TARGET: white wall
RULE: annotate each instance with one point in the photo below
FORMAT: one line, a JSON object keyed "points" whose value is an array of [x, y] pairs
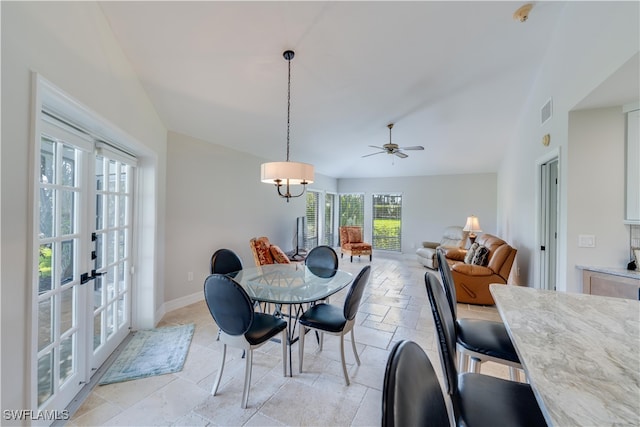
{"points": [[596, 201], [71, 45], [431, 203], [586, 49], [215, 199]]}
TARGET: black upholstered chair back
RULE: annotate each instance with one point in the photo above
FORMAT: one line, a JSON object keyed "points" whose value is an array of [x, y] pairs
{"points": [[229, 304], [411, 394], [225, 261], [447, 282], [446, 328], [322, 257], [352, 302]]}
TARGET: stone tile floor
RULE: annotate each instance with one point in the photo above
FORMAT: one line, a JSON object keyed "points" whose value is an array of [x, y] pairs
{"points": [[394, 307]]}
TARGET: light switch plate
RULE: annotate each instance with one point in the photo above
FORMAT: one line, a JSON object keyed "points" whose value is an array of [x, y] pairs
{"points": [[586, 241]]}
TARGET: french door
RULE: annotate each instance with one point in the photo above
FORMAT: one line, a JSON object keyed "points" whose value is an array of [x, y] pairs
{"points": [[82, 282]]}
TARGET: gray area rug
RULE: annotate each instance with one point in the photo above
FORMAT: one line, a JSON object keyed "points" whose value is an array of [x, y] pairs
{"points": [[151, 352]]}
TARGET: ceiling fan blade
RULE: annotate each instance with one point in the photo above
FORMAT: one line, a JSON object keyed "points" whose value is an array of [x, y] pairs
{"points": [[373, 154], [415, 147], [401, 154], [375, 146]]}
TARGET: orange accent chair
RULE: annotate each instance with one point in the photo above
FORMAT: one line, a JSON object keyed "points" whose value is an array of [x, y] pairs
{"points": [[351, 242], [265, 253]]}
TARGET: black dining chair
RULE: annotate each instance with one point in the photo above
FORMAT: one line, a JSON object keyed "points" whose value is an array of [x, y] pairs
{"points": [[322, 261], [478, 340], [240, 326], [411, 392], [225, 261], [477, 399], [334, 320]]}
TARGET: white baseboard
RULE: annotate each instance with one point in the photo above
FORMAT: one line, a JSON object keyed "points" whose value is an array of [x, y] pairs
{"points": [[179, 303]]}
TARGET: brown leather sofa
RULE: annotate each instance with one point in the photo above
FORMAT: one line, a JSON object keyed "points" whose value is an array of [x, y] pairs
{"points": [[472, 281]]}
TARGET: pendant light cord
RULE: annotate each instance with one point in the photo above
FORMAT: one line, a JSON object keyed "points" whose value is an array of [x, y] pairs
{"points": [[288, 104]]}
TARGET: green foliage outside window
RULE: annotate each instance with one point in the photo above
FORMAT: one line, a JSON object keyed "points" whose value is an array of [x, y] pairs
{"points": [[387, 221], [44, 264], [352, 209]]}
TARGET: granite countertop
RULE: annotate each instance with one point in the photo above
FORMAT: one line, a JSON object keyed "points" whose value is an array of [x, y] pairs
{"points": [[581, 353], [616, 271]]}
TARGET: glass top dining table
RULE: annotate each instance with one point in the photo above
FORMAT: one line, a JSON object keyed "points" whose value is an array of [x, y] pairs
{"points": [[290, 287], [293, 283]]}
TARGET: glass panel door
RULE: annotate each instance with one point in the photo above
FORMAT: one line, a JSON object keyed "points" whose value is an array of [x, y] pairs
{"points": [[58, 307], [82, 260], [311, 235], [111, 256], [329, 219]]}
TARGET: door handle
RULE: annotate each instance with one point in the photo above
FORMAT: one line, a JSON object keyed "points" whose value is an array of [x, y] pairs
{"points": [[84, 277]]}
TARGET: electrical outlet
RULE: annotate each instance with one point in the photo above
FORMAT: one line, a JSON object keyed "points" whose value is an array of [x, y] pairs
{"points": [[190, 276]]}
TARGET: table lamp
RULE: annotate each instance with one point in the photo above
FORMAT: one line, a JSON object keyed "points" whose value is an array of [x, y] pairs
{"points": [[472, 226]]}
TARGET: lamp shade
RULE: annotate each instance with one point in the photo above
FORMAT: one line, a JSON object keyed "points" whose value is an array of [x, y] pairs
{"points": [[472, 225], [293, 173]]}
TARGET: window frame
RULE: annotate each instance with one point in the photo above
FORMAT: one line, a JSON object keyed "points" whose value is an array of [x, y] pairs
{"points": [[376, 236]]}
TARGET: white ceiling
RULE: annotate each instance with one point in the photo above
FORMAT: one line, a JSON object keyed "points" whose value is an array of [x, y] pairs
{"points": [[452, 76]]}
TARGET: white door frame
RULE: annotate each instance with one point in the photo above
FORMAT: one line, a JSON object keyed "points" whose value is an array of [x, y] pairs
{"points": [[146, 239]]}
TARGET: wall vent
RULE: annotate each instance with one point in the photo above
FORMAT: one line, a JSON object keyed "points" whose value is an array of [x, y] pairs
{"points": [[546, 112]]}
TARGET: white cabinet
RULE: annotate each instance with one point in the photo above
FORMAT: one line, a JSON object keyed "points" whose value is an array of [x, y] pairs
{"points": [[632, 167]]}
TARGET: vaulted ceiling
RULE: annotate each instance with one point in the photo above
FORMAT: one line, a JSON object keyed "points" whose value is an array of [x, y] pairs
{"points": [[452, 76]]}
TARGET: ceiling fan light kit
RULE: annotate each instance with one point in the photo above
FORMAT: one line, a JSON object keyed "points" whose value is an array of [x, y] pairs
{"points": [[391, 148], [285, 174]]}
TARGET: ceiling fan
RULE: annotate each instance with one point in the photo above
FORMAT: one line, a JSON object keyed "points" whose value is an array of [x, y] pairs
{"points": [[392, 148]]}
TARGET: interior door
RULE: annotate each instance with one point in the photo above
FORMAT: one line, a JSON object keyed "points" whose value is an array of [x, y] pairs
{"points": [[549, 224]]}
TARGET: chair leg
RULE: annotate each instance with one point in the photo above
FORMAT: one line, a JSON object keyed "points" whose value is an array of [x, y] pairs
{"points": [[284, 353], [214, 390], [351, 258], [513, 374], [463, 360], [474, 366], [247, 378], [303, 331], [344, 365], [321, 340], [353, 345], [370, 257]]}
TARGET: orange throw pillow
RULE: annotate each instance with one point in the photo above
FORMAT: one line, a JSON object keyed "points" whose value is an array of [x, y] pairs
{"points": [[278, 255], [262, 251]]}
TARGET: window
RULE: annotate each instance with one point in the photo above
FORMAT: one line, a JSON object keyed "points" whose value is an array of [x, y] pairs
{"points": [[387, 221], [352, 209], [329, 219], [312, 219]]}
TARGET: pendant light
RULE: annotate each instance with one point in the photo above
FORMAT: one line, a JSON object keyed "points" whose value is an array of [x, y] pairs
{"points": [[286, 174]]}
